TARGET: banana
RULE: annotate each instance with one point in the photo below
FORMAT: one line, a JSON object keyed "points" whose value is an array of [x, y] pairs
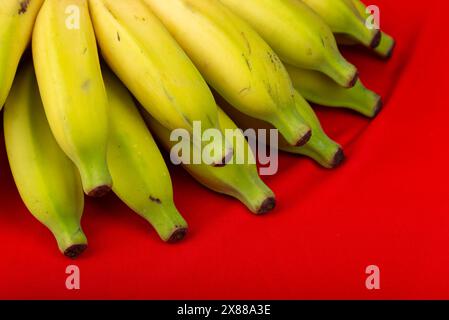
{"points": [[235, 61], [298, 35], [47, 180], [320, 147], [72, 89], [318, 88], [141, 178], [238, 180], [343, 18], [387, 43], [16, 25], [144, 55]]}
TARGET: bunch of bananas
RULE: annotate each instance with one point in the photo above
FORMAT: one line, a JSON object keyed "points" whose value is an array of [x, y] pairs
{"points": [[76, 124]]}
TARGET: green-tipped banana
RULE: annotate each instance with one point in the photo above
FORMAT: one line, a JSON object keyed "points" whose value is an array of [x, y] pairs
{"points": [[320, 147], [318, 88], [47, 180], [298, 35], [344, 19], [235, 61], [141, 178], [238, 180], [16, 25], [387, 43], [72, 89], [144, 55]]}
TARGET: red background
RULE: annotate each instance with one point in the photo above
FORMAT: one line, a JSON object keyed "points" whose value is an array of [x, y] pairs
{"points": [[387, 205]]}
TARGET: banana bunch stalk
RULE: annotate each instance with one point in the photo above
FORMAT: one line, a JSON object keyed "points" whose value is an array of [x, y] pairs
{"points": [[141, 178]]}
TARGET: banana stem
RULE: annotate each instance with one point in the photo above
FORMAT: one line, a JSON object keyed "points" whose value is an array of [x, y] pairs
{"points": [[364, 101], [256, 195], [96, 180], [343, 72], [323, 150], [292, 127], [166, 220], [72, 244], [386, 46]]}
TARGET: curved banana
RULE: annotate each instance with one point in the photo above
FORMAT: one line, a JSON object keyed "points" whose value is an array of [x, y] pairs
{"points": [[16, 25], [238, 180], [235, 61], [72, 89], [344, 18], [298, 35], [47, 180], [318, 88], [144, 55], [141, 178], [387, 43], [320, 147]]}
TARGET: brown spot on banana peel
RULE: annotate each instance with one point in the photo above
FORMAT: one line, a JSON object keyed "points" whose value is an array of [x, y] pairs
{"points": [[118, 37], [23, 6], [304, 139], [86, 85], [75, 250], [248, 45], [155, 200]]}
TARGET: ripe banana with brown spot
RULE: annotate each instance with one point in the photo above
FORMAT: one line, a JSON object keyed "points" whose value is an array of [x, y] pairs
{"points": [[48, 182], [141, 178]]}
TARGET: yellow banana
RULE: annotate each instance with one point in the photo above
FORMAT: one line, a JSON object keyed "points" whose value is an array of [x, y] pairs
{"points": [[47, 180], [72, 89], [16, 25], [318, 88], [239, 180], [144, 55], [320, 147], [141, 178], [298, 35], [344, 18], [235, 61], [387, 43]]}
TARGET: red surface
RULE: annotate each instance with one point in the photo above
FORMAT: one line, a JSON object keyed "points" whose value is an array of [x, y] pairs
{"points": [[388, 205]]}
